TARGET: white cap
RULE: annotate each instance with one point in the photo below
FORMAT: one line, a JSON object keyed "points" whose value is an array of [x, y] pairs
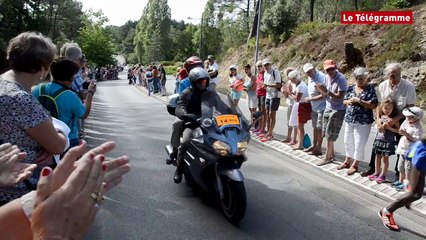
{"points": [[266, 61], [233, 67], [259, 63], [307, 67], [413, 111]]}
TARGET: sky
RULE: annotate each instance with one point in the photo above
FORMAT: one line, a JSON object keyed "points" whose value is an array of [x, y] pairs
{"points": [[120, 11]]}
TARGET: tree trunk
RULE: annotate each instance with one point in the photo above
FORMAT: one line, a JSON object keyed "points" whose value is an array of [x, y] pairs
{"points": [[311, 12], [356, 5], [254, 26]]}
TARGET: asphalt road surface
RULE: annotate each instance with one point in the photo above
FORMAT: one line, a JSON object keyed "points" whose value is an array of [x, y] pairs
{"points": [[286, 199]]}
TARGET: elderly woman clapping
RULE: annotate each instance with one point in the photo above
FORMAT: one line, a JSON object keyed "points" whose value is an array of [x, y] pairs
{"points": [[360, 100], [299, 95]]}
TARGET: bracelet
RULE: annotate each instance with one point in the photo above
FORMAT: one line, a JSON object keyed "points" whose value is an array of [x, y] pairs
{"points": [[27, 203], [91, 92]]}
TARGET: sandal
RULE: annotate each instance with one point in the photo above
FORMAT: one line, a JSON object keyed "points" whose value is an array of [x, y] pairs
{"points": [[266, 138], [297, 148], [352, 170], [286, 140], [324, 161], [343, 165], [315, 153]]}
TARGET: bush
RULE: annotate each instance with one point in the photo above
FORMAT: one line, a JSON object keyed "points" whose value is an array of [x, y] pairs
{"points": [[396, 4], [168, 63], [170, 70]]}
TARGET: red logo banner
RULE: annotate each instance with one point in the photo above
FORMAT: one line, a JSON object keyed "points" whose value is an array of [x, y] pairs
{"points": [[378, 17]]}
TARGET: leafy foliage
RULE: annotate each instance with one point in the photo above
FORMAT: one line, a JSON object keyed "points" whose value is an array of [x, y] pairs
{"points": [[96, 42], [152, 40]]}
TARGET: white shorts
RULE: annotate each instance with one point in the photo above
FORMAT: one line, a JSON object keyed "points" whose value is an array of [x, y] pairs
{"points": [[252, 102]]}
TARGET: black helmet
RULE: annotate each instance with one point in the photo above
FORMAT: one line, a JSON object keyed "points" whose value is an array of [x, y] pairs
{"points": [[196, 75]]}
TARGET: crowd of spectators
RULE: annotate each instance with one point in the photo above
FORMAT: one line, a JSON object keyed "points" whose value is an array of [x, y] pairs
{"points": [[51, 187]]}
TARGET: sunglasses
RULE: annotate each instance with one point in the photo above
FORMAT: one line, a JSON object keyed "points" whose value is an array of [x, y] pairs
{"points": [[330, 70]]}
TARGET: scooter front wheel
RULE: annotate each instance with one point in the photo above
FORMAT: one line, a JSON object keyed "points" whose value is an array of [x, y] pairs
{"points": [[234, 200]]}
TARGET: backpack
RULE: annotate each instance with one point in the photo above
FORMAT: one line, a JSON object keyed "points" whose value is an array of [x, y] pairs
{"points": [[279, 85], [149, 74], [49, 101]]}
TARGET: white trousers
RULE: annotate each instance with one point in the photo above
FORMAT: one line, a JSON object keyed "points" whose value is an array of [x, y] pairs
{"points": [[356, 136]]}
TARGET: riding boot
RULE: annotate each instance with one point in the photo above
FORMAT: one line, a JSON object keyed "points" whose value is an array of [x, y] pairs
{"points": [[172, 157], [180, 165]]}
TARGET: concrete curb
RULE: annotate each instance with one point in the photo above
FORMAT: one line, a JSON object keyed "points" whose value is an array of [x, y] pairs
{"points": [[384, 191]]}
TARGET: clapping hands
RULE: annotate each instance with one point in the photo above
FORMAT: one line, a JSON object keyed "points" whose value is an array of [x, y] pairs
{"points": [[68, 198], [13, 170]]}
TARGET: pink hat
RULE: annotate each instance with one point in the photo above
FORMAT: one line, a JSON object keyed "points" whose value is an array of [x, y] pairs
{"points": [[328, 64]]}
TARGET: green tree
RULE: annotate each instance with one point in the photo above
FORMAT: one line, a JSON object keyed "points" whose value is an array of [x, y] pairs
{"points": [[279, 20], [154, 29], [95, 41]]}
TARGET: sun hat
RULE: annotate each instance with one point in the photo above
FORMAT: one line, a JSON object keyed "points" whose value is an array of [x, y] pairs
{"points": [[413, 111], [233, 67], [329, 64], [266, 61], [307, 67]]}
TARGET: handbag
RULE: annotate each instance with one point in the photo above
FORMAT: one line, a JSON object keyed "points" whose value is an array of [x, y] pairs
{"points": [[306, 141]]}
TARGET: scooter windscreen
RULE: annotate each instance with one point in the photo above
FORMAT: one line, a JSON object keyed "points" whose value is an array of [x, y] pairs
{"points": [[221, 110]]}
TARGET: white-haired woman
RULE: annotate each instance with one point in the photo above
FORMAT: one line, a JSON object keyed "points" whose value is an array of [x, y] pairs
{"points": [[360, 100], [299, 96]]}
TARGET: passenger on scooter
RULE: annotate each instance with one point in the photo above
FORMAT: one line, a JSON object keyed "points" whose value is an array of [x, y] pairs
{"points": [[189, 109], [179, 125]]}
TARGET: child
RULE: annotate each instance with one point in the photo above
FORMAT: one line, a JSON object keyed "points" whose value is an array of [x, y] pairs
{"points": [[411, 130], [417, 156], [236, 84], [384, 144]]}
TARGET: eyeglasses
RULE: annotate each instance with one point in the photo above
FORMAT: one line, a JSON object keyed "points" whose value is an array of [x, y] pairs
{"points": [[330, 70]]}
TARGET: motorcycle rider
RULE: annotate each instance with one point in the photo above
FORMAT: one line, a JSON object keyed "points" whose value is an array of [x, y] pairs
{"points": [[188, 110], [179, 125]]}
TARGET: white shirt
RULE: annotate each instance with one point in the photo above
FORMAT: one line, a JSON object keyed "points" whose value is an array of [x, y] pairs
{"points": [[302, 88], [272, 77], [214, 67], [415, 130], [403, 94]]}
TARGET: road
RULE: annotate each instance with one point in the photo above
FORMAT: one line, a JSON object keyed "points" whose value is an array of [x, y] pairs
{"points": [[286, 198]]}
